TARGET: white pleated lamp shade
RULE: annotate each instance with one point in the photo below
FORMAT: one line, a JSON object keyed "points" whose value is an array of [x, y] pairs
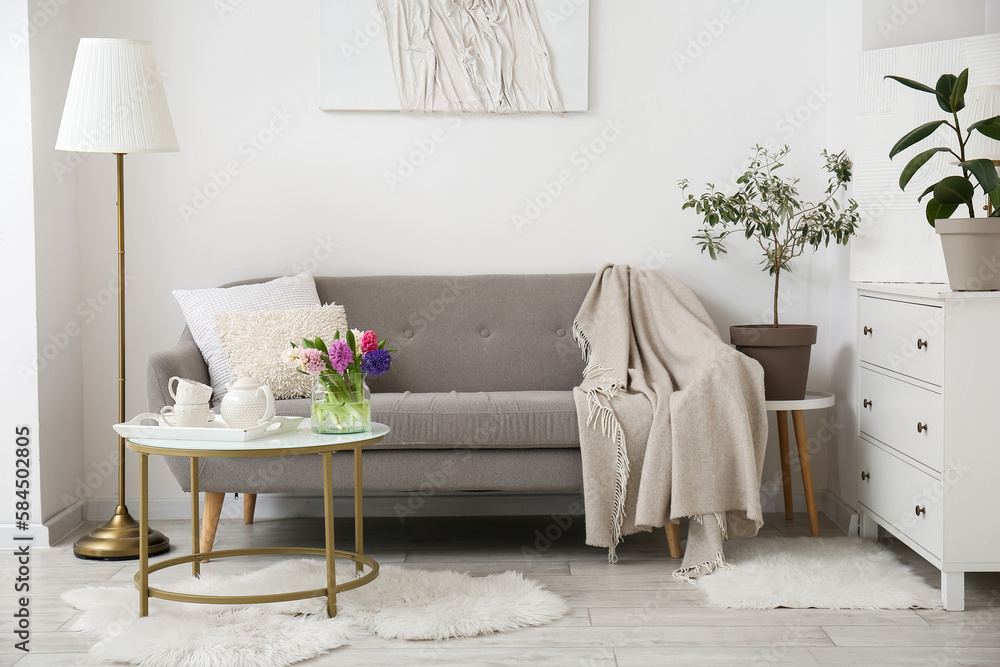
{"points": [[115, 102], [982, 102]]}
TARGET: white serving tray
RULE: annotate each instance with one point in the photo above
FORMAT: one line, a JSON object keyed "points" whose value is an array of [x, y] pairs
{"points": [[216, 430]]}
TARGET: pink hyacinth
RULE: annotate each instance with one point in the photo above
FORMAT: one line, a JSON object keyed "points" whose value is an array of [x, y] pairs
{"points": [[312, 361], [369, 342], [340, 355]]}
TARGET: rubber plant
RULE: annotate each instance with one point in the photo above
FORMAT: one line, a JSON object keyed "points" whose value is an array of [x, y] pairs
{"points": [[954, 191], [767, 209]]}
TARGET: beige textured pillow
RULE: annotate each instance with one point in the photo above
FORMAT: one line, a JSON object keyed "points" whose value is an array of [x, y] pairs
{"points": [[255, 342]]}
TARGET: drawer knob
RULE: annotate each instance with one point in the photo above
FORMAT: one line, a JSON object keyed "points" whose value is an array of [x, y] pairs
{"points": [[865, 476], [868, 331], [867, 403], [920, 510], [921, 344], [921, 427]]}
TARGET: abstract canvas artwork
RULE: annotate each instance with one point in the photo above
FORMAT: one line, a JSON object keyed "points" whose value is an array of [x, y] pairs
{"points": [[472, 56]]}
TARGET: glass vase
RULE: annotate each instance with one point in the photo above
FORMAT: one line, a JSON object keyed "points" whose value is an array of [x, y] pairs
{"points": [[341, 403]]}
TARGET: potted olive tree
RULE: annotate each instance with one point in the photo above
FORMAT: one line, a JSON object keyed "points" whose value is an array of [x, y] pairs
{"points": [[766, 209], [970, 244]]}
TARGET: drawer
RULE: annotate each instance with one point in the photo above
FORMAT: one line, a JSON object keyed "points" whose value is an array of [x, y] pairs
{"points": [[892, 489], [904, 337], [908, 418]]}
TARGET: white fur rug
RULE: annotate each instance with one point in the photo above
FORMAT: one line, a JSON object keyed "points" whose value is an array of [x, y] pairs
{"points": [[400, 604], [826, 573]]}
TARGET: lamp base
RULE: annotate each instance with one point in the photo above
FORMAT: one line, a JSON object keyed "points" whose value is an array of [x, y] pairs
{"points": [[118, 539]]}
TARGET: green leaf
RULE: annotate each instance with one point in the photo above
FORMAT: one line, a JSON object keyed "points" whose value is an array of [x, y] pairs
{"points": [[350, 341], [995, 202], [914, 165], [954, 190], [321, 346], [985, 173], [930, 189], [913, 136], [957, 98], [989, 126], [910, 83], [938, 211], [945, 86]]}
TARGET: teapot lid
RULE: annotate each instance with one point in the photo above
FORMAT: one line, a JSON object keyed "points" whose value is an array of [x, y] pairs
{"points": [[245, 382]]}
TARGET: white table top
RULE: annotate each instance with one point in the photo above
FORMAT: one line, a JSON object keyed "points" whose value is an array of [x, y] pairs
{"points": [[301, 441], [814, 400]]}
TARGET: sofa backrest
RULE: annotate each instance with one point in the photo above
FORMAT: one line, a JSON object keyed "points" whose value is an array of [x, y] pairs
{"points": [[468, 333]]}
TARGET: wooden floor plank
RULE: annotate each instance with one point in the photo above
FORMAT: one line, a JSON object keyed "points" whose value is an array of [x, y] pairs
{"points": [[633, 613]]}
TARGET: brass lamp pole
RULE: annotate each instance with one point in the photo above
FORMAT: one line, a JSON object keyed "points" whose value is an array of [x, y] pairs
{"points": [[115, 104]]}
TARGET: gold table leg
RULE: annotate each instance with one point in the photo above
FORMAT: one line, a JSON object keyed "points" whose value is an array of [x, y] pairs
{"points": [[331, 556], [195, 530], [359, 526], [786, 463], [144, 536], [807, 480]]}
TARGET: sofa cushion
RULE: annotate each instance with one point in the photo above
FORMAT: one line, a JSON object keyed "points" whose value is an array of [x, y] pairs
{"points": [[486, 419], [201, 305], [255, 343], [468, 333]]}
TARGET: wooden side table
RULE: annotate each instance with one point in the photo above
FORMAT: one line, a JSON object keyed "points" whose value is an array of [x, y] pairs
{"points": [[814, 400]]}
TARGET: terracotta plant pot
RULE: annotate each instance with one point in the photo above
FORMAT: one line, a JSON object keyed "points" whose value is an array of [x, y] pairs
{"points": [[782, 351], [971, 252]]}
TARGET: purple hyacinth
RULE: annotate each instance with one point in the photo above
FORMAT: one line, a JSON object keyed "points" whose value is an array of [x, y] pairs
{"points": [[376, 362], [340, 355]]}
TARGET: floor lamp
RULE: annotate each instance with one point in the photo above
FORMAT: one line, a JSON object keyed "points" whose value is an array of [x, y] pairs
{"points": [[115, 104]]}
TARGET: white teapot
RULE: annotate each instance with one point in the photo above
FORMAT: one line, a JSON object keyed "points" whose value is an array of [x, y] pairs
{"points": [[249, 403]]}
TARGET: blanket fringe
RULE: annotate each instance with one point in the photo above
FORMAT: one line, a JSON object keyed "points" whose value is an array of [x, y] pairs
{"points": [[720, 517], [581, 339], [610, 428], [689, 573]]}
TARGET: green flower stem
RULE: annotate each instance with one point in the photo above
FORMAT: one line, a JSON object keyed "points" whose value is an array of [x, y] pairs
{"points": [[343, 400]]}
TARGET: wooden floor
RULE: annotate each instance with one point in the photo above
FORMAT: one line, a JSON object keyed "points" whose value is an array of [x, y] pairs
{"points": [[632, 613]]}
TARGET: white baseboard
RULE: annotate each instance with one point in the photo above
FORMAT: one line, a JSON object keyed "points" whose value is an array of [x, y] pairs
{"points": [[67, 521], [12, 538], [842, 513], [277, 506]]}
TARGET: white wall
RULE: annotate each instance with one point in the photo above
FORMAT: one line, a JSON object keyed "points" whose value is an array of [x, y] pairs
{"points": [[844, 49], [888, 23], [18, 392], [57, 263], [322, 177]]}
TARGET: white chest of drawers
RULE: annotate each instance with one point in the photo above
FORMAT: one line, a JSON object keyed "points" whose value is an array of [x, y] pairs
{"points": [[929, 417]]}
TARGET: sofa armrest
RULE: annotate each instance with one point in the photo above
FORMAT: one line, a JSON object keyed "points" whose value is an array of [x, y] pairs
{"points": [[183, 360]]}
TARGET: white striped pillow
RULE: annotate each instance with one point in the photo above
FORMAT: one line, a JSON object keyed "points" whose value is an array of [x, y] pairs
{"points": [[200, 307]]}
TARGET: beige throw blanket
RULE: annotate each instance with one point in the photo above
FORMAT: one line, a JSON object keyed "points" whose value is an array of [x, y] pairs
{"points": [[672, 419]]}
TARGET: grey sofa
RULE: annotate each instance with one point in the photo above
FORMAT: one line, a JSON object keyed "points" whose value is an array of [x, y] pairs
{"points": [[480, 399]]}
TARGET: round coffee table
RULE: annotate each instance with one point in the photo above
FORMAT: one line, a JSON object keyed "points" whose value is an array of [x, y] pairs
{"points": [[302, 441]]}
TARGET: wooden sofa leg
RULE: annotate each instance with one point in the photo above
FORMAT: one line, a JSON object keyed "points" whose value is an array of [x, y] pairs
{"points": [[674, 539], [249, 505], [210, 519]]}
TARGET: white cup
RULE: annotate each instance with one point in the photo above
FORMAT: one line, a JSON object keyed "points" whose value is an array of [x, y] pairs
{"points": [[188, 392], [187, 415]]}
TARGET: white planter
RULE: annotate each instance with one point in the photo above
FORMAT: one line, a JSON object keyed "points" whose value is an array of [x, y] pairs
{"points": [[971, 252]]}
